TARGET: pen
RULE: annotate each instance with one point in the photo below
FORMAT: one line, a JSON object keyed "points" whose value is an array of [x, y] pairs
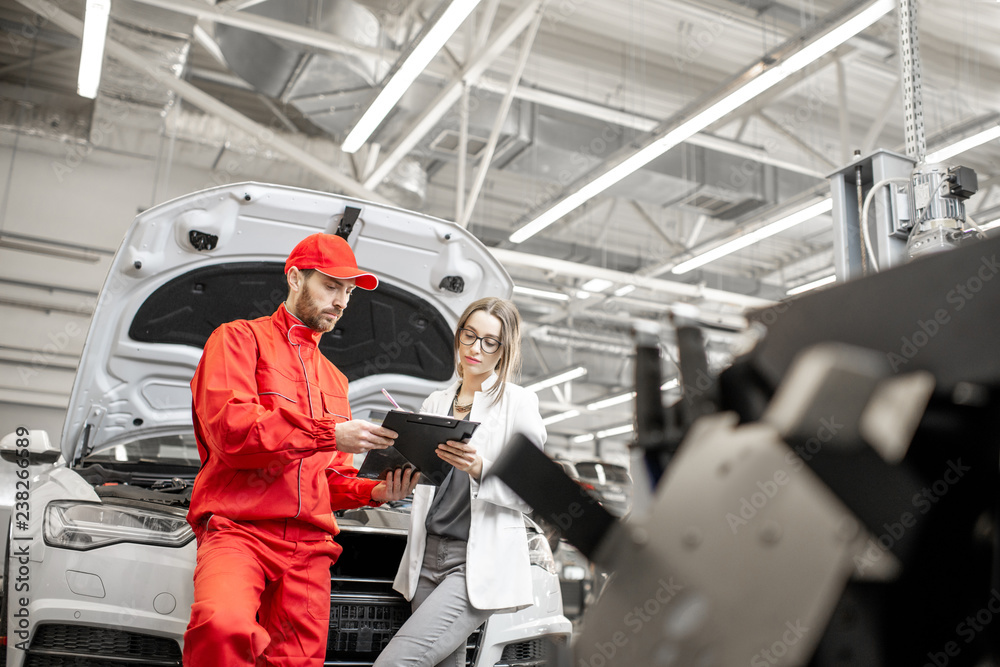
{"points": [[391, 400]]}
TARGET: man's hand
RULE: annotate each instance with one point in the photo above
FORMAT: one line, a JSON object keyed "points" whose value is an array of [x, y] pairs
{"points": [[399, 484], [463, 456], [359, 436]]}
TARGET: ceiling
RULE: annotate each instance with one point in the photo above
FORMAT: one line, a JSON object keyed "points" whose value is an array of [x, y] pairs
{"points": [[273, 88]]}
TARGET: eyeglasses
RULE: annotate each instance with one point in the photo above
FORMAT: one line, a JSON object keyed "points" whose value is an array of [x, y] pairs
{"points": [[468, 337]]}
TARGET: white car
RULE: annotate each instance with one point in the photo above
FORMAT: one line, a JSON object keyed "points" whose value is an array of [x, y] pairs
{"points": [[100, 559]]}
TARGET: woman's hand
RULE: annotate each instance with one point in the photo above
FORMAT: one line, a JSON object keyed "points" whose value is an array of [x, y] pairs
{"points": [[463, 456]]}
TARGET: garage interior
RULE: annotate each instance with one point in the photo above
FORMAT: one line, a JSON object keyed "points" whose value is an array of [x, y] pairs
{"points": [[527, 103], [676, 174]]}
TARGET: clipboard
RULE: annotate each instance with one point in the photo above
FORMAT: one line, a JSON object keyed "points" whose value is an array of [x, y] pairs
{"points": [[419, 436]]}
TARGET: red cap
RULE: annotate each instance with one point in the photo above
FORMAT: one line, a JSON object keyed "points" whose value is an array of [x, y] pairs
{"points": [[331, 255]]}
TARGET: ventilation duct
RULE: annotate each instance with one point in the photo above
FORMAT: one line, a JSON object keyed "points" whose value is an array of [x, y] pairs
{"points": [[329, 89]]}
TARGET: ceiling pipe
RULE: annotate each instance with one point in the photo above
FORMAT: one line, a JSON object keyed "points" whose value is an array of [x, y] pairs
{"points": [[327, 42], [271, 27], [209, 104]]}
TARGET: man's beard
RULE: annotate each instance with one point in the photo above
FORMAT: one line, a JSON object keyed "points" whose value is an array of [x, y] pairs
{"points": [[312, 315]]}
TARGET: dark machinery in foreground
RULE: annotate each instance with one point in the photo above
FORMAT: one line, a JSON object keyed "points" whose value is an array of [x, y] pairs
{"points": [[829, 499]]}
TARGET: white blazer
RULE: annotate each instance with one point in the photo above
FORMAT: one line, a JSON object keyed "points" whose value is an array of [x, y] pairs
{"points": [[497, 570]]}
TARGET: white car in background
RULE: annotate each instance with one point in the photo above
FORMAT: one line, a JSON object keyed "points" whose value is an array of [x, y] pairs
{"points": [[100, 573]]}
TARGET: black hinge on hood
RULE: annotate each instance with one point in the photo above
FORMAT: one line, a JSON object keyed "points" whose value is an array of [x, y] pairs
{"points": [[202, 240], [347, 222], [454, 284]]}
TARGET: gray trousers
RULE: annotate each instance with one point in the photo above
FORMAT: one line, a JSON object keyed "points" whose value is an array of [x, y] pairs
{"points": [[442, 616]]}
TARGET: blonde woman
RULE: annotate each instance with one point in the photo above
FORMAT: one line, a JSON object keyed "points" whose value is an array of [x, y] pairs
{"points": [[467, 553]]}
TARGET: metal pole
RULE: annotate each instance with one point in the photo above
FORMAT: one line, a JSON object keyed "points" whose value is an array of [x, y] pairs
{"points": [[913, 105]]}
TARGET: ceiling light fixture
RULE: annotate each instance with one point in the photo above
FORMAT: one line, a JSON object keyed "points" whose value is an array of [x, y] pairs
{"points": [[413, 63], [541, 294], [963, 145], [758, 234], [617, 430], [558, 378], [624, 289], [596, 285], [562, 416], [611, 400], [812, 285], [627, 396], [670, 384], [95, 31], [755, 80], [586, 437]]}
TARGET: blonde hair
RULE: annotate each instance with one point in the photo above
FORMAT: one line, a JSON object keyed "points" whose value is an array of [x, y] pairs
{"points": [[510, 339]]}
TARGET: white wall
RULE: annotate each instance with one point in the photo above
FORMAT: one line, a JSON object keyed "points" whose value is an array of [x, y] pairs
{"points": [[51, 191]]}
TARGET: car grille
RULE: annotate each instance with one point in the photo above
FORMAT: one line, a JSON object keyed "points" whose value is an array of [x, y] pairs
{"points": [[530, 653], [56, 645], [365, 612], [361, 626]]}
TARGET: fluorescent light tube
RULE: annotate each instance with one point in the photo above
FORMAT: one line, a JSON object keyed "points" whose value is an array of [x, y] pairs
{"points": [[596, 285], [541, 294], [586, 437], [811, 285], [611, 400], [565, 376], [670, 384], [762, 80], [413, 64], [618, 430], [624, 289], [963, 145], [758, 234], [95, 31], [562, 416]]}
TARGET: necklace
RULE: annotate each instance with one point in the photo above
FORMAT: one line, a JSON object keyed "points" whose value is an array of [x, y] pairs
{"points": [[460, 408]]}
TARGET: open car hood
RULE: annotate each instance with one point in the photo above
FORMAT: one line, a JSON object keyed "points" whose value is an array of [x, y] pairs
{"points": [[190, 264]]}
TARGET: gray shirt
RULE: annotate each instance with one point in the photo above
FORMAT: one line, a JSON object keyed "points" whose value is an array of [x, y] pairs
{"points": [[451, 511]]}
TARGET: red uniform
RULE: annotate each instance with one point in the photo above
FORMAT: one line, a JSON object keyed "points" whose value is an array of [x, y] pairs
{"points": [[266, 401]]}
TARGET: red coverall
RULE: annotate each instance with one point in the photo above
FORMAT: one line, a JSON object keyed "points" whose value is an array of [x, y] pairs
{"points": [[266, 401]]}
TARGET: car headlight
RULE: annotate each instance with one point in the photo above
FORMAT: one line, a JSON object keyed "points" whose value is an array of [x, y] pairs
{"points": [[82, 526], [539, 552]]}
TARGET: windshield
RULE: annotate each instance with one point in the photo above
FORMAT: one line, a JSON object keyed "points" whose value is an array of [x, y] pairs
{"points": [[181, 450]]}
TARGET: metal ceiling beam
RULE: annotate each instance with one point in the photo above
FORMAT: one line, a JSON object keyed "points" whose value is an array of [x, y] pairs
{"points": [[644, 124], [268, 26], [673, 288], [491, 144], [881, 118], [208, 104], [446, 99], [780, 129], [843, 114], [648, 219], [845, 52], [38, 60], [559, 101]]}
